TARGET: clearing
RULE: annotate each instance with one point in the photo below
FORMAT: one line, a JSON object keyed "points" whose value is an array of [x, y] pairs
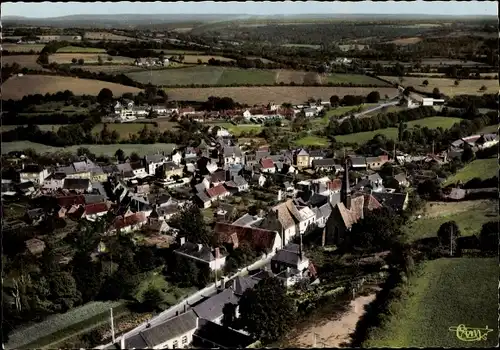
{"points": [[481, 168], [489, 129], [276, 94], [170, 293], [179, 76], [108, 150], [447, 86], [442, 297], [469, 216], [204, 58], [17, 87], [78, 49], [236, 130], [312, 140]]}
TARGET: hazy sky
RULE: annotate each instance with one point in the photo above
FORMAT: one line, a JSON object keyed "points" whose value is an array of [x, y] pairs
{"points": [[47, 9]]}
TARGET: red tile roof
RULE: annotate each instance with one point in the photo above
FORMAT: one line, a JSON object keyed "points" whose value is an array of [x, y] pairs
{"points": [[267, 163], [186, 110], [335, 185], [216, 191], [258, 239], [122, 222], [95, 208], [67, 201]]}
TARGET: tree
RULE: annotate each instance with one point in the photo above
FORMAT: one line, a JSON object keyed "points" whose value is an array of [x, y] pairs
{"points": [[43, 58], [266, 311], [457, 82], [184, 271], [110, 58], [87, 275], [436, 93], [99, 60], [373, 97], [63, 290], [488, 237], [429, 189], [448, 234], [378, 229], [120, 155], [425, 82], [81, 61], [203, 277], [334, 100], [152, 298], [105, 96], [468, 153], [134, 157], [189, 220], [74, 60]]}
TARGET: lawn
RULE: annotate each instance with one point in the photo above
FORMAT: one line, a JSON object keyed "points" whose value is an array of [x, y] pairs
{"points": [[312, 140], [108, 150], [481, 168], [447, 293], [22, 47], [171, 294], [489, 129], [66, 58], [24, 61], [236, 130], [392, 133], [17, 87], [57, 327], [447, 86], [124, 129], [78, 49], [469, 216]]}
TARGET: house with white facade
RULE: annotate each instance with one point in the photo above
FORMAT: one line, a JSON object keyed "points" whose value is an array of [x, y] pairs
{"points": [[175, 333], [34, 173], [153, 162], [214, 258]]}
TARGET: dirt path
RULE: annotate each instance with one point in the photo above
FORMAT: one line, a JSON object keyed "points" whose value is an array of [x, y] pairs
{"points": [[335, 332]]}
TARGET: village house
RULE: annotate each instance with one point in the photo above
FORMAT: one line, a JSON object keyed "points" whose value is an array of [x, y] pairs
{"points": [[399, 180], [267, 166], [258, 239], [54, 181], [397, 202], [203, 200], [291, 265], [237, 184], [217, 193], [214, 258], [232, 155], [175, 333], [177, 158], [153, 162], [347, 212], [259, 179], [128, 222], [357, 163], [34, 173], [375, 163], [218, 178], [170, 169], [315, 155], [327, 164], [302, 159], [77, 185], [94, 211]]}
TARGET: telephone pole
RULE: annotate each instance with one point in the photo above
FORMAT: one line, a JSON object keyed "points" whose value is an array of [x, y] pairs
{"points": [[451, 241], [112, 327]]}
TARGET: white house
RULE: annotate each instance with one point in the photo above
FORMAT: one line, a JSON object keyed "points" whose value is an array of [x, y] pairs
{"points": [[139, 170], [307, 218], [153, 162], [54, 181], [247, 114], [33, 173], [177, 158], [174, 333], [94, 211], [223, 133], [310, 112], [129, 222], [214, 258]]}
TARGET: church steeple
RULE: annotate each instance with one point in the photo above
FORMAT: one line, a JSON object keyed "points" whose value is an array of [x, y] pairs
{"points": [[345, 191]]}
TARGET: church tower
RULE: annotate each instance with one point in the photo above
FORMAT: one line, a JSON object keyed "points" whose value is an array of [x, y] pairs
{"points": [[345, 191]]}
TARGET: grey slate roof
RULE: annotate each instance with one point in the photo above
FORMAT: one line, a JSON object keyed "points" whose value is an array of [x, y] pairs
{"points": [[76, 184], [163, 332], [394, 201], [323, 162], [358, 161], [288, 255], [211, 309], [203, 197], [325, 210], [242, 283]]}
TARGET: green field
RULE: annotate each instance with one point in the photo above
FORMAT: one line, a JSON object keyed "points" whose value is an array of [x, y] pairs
{"points": [[60, 326], [179, 76], [469, 216], [489, 129], [312, 140], [108, 150], [236, 130], [246, 76], [481, 168], [392, 133], [77, 49], [171, 294], [447, 293]]}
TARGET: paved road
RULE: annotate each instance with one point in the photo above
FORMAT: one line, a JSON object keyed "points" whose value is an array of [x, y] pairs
{"points": [[179, 308], [380, 106]]}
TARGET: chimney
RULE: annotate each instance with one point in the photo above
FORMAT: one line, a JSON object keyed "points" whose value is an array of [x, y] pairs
{"points": [[122, 342], [301, 254], [323, 237], [200, 246], [183, 241]]}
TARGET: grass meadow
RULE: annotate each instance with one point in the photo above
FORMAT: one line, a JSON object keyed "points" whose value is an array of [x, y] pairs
{"points": [[481, 168]]}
